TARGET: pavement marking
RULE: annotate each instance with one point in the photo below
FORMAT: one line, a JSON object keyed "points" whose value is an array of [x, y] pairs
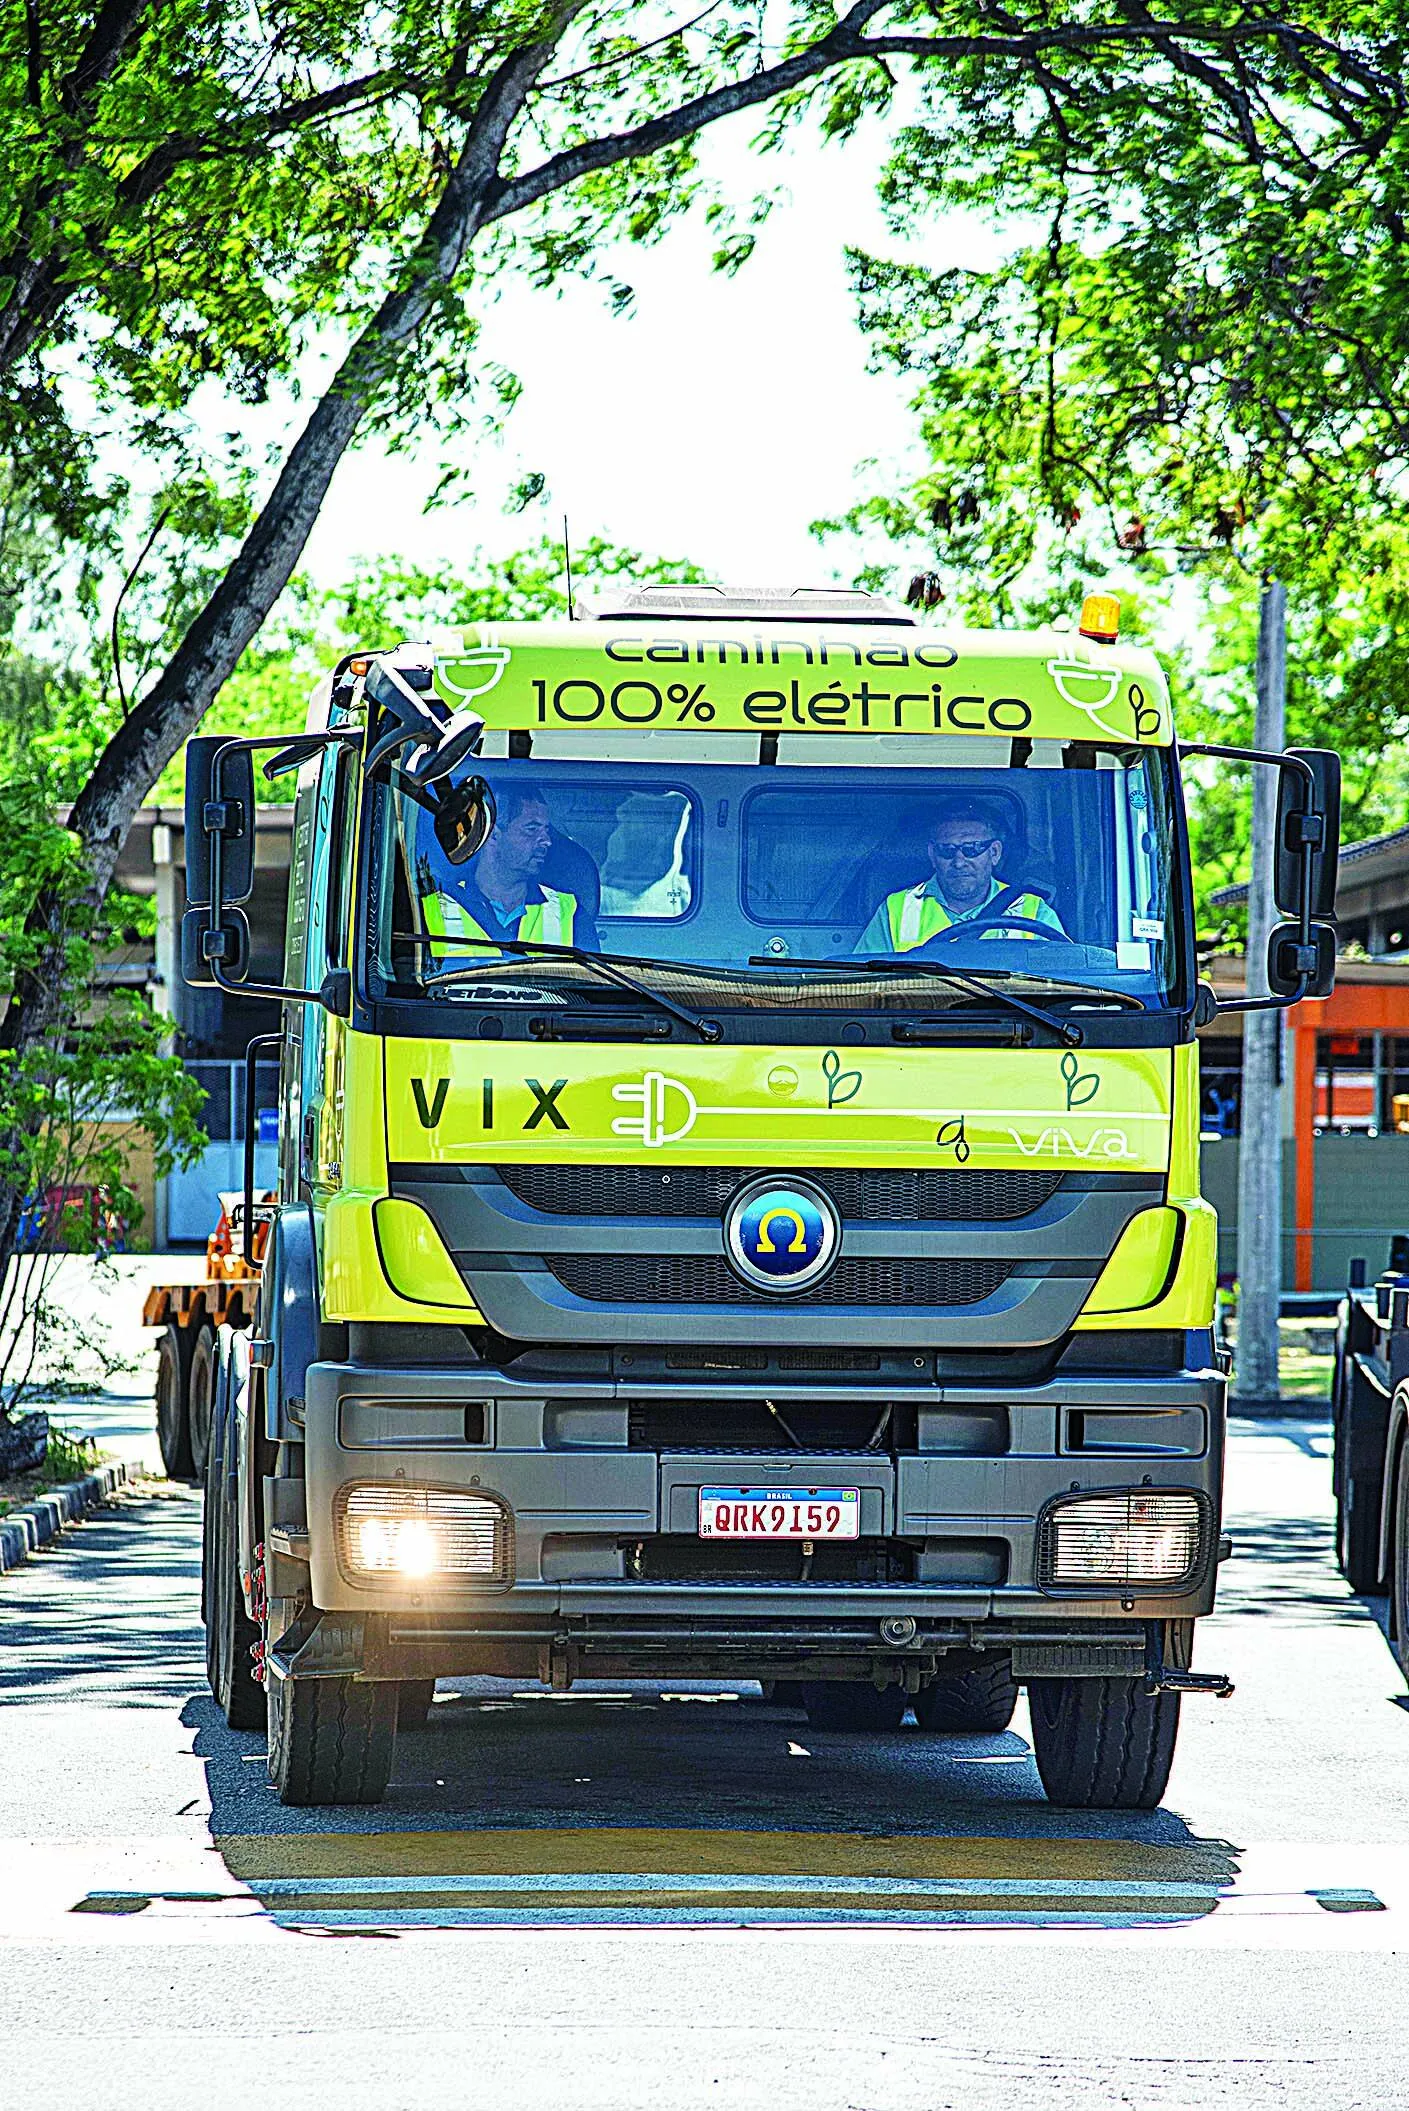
{"points": [[552, 1850], [607, 1899]]}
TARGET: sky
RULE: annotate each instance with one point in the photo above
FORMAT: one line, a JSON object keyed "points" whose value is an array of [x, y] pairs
{"points": [[714, 421]]}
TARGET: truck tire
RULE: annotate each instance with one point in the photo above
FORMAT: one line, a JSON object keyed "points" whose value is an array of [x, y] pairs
{"points": [[1399, 1564], [413, 1703], [1102, 1744], [230, 1634], [200, 1395], [835, 1704], [331, 1740], [1357, 1495], [982, 1698], [173, 1425], [1358, 1533]]}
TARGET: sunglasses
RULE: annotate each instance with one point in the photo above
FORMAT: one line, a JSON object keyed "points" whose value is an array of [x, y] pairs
{"points": [[947, 852]]}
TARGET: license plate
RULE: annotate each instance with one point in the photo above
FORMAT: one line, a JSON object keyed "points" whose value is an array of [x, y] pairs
{"points": [[780, 1513]]}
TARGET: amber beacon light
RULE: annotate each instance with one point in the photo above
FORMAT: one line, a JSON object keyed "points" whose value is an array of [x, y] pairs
{"points": [[1100, 618]]}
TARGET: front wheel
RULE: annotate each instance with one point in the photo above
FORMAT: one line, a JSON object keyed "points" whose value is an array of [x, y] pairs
{"points": [[331, 1740], [1102, 1744], [980, 1699], [832, 1704], [230, 1634]]}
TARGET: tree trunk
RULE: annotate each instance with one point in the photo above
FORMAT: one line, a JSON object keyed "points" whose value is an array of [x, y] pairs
{"points": [[171, 710], [1260, 1148]]}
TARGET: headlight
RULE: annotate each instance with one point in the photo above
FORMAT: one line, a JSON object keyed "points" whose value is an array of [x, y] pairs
{"points": [[424, 1535], [1144, 1539]]}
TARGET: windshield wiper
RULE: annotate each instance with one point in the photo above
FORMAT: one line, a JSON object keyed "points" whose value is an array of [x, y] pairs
{"points": [[603, 964], [916, 969]]}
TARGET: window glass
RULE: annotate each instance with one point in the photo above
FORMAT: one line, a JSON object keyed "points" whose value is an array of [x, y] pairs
{"points": [[1041, 861]]}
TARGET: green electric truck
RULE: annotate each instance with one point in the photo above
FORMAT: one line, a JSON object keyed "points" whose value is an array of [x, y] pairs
{"points": [[738, 1209]]}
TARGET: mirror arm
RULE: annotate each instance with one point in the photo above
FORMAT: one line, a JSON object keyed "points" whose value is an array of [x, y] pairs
{"points": [[1295, 764], [1260, 1004], [276, 992], [260, 1041]]}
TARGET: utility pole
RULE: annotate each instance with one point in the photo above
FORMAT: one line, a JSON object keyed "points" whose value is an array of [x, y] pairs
{"points": [[1260, 1148]]}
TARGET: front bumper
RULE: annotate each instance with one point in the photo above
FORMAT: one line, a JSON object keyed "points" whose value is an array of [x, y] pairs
{"points": [[604, 1526]]}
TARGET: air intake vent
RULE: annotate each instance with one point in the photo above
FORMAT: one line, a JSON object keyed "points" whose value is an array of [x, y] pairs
{"points": [[705, 1279], [864, 1195]]}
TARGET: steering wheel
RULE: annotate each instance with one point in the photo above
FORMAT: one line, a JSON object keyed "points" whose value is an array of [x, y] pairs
{"points": [[967, 925], [997, 916]]}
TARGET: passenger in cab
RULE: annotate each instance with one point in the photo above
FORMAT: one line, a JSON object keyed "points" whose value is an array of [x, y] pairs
{"points": [[966, 856], [498, 893]]}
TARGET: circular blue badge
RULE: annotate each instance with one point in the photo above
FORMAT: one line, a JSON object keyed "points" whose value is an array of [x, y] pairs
{"points": [[781, 1235]]}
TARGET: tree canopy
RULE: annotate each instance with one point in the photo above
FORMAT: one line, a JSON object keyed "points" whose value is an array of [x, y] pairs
{"points": [[1189, 355]]}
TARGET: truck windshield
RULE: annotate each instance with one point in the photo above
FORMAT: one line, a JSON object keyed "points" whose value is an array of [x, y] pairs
{"points": [[1041, 867]]}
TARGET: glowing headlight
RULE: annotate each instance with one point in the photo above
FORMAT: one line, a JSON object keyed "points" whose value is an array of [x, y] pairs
{"points": [[424, 1534], [1150, 1537]]}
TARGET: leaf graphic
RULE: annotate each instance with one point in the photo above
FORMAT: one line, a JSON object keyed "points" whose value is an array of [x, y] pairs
{"points": [[842, 1085], [951, 1137], [1082, 1085]]}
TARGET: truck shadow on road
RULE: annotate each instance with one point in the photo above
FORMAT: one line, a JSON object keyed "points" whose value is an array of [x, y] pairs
{"points": [[514, 1805]]}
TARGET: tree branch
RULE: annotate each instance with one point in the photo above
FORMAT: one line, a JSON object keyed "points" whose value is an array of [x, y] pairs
{"points": [[148, 738], [838, 47], [143, 554], [142, 183]]}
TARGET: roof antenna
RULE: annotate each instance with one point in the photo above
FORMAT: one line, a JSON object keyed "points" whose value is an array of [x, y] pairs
{"points": [[567, 564]]}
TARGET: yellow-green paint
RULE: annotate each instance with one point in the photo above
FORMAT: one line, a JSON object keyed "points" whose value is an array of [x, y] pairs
{"points": [[792, 677], [1188, 1299], [414, 1258], [581, 1103], [1184, 1124], [370, 1245], [1137, 1271], [462, 1101]]}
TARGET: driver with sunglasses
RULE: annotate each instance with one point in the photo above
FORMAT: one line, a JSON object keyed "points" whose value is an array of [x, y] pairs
{"points": [[965, 853]]}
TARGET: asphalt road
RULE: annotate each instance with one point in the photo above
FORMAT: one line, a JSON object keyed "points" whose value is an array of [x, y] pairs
{"points": [[630, 1897]]}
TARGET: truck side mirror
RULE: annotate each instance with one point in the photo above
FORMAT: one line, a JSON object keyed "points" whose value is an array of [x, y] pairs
{"points": [[228, 814], [1288, 960], [204, 949], [1308, 820]]}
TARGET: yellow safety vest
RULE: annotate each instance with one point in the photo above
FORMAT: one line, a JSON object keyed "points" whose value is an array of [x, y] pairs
{"points": [[914, 916], [549, 922]]}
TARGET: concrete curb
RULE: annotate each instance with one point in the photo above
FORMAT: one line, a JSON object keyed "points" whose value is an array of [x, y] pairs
{"points": [[22, 1531]]}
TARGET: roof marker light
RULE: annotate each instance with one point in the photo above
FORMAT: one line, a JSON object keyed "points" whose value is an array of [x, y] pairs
{"points": [[1100, 618]]}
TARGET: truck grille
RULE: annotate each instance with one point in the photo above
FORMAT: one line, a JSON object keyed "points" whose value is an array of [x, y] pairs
{"points": [[707, 1279], [869, 1194]]}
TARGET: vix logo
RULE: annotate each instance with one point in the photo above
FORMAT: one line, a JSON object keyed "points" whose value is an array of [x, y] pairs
{"points": [[781, 1235]]}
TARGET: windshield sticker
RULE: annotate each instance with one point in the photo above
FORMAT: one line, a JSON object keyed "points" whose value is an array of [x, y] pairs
{"points": [[1146, 927], [710, 675], [473, 673]]}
